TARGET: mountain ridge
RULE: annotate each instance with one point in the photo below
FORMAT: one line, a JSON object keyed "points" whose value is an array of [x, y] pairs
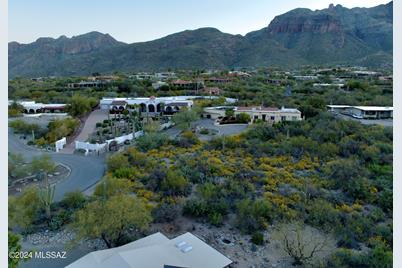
{"points": [[335, 35]]}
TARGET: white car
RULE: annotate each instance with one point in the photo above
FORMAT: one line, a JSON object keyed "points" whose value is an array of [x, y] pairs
{"points": [[357, 116]]}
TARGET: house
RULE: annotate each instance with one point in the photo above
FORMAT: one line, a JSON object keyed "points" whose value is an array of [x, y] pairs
{"points": [[151, 105], [156, 251], [188, 85], [142, 76], [165, 75], [159, 84], [103, 78], [85, 84], [385, 78], [366, 74], [32, 107], [363, 112], [338, 109], [339, 86], [217, 80], [268, 114], [216, 112], [239, 74], [213, 91], [305, 77]]}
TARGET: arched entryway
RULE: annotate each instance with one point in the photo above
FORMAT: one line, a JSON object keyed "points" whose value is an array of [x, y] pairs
{"points": [[151, 108], [169, 109], [143, 107]]}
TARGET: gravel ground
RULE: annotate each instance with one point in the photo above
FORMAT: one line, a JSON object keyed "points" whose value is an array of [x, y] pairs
{"points": [[60, 241]]}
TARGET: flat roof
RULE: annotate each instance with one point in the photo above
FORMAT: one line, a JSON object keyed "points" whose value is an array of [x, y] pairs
{"points": [[339, 106], [156, 251], [365, 108], [257, 108], [374, 108]]}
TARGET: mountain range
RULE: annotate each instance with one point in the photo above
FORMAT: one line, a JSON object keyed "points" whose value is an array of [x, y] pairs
{"points": [[332, 36]]}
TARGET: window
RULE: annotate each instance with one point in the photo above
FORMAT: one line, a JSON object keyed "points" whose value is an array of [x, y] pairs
{"points": [[273, 118], [264, 116], [283, 118]]}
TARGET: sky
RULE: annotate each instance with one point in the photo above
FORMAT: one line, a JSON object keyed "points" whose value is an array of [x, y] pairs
{"points": [[135, 21]]}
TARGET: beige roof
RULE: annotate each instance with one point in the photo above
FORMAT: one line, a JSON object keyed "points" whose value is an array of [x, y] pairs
{"points": [[155, 251]]}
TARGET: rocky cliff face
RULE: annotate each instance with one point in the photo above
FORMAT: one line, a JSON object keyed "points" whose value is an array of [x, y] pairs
{"points": [[314, 23]]}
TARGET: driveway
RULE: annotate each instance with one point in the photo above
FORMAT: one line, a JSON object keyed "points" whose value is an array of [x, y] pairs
{"points": [[223, 130], [89, 127], [381, 122], [86, 171]]}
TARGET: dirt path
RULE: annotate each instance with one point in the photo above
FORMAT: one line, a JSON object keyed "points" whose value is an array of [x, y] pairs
{"points": [[89, 126]]}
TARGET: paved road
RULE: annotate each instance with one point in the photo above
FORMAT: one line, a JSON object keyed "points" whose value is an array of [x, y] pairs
{"points": [[226, 130], [222, 129], [381, 122], [85, 170]]}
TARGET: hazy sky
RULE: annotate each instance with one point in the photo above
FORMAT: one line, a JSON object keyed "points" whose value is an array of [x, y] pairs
{"points": [[133, 20]]}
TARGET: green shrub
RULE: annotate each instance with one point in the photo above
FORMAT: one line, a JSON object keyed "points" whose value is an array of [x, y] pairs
{"points": [[165, 212], [215, 218], [257, 238], [254, 215], [195, 208], [243, 118], [204, 131], [151, 141], [73, 200]]}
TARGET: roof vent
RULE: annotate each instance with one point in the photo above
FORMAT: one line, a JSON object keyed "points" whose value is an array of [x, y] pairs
{"points": [[180, 244], [186, 249]]}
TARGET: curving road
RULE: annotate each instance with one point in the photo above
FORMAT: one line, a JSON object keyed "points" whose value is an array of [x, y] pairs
{"points": [[86, 171]]}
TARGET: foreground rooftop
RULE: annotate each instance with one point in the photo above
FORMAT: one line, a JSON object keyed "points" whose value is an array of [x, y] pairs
{"points": [[157, 251]]}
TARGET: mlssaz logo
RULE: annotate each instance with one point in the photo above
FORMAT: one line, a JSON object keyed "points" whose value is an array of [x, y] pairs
{"points": [[50, 255]]}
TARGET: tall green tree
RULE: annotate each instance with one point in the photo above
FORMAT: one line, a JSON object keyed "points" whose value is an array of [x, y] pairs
{"points": [[111, 219], [184, 118], [23, 210], [80, 105]]}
